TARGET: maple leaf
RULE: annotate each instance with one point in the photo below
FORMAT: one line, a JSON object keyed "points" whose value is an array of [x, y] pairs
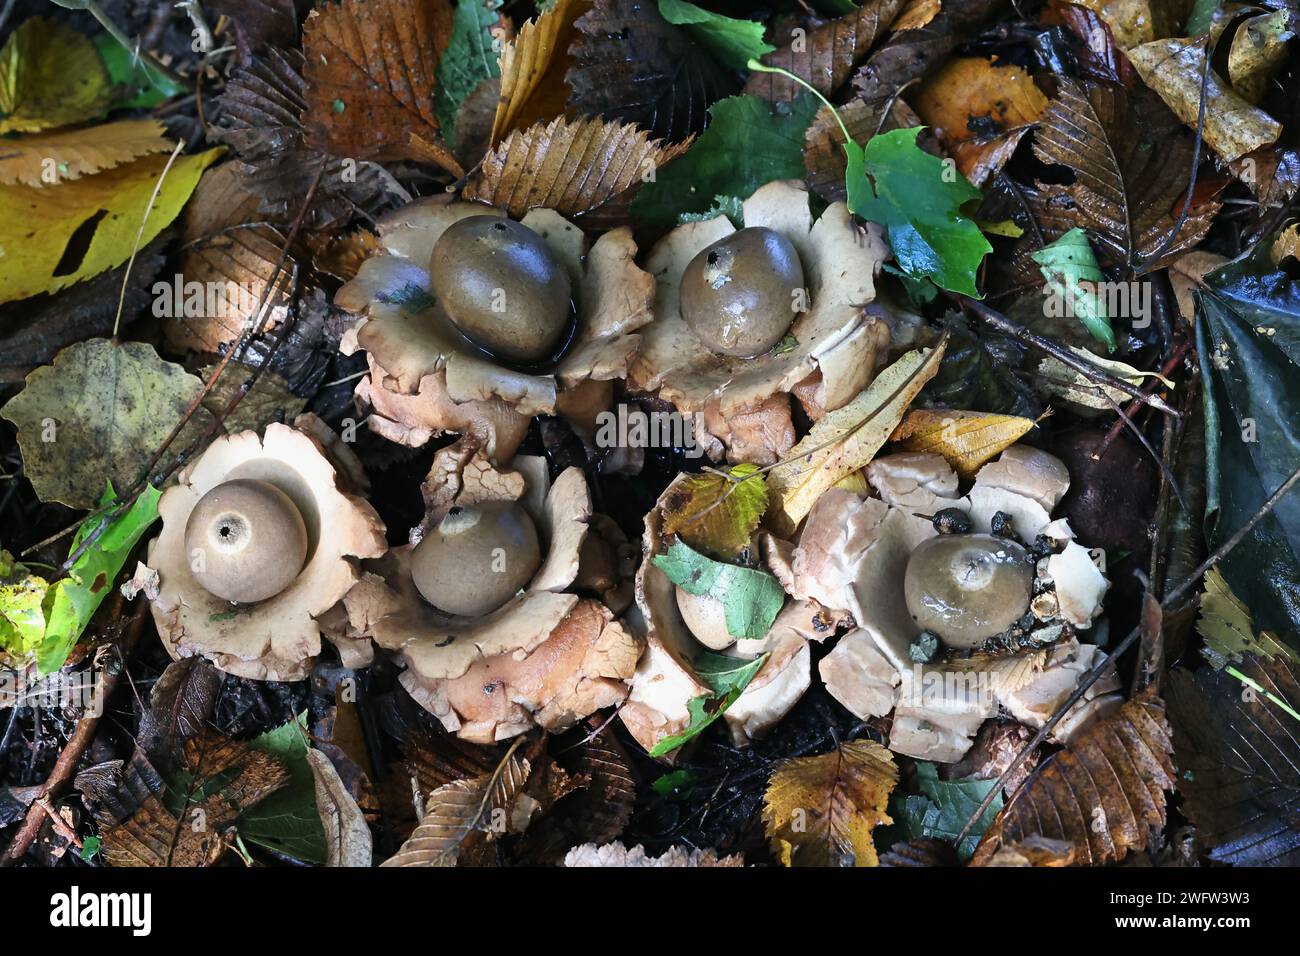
{"points": [[371, 70], [586, 170], [820, 811], [826, 55], [1130, 175], [631, 64]]}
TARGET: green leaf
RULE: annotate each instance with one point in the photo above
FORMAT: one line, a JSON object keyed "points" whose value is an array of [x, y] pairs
{"points": [[942, 808], [1249, 339], [714, 514], [730, 206], [750, 598], [470, 59], [134, 85], [671, 781], [732, 41], [728, 676], [1067, 264], [1201, 17], [72, 601], [287, 821], [89, 847], [749, 142], [918, 198], [22, 619]]}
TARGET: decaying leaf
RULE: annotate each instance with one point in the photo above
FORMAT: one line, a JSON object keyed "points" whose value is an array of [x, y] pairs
{"points": [[966, 439], [371, 77], [533, 67], [1259, 48], [51, 238], [1173, 69], [1225, 624], [50, 75], [820, 811], [714, 513], [980, 110], [586, 170], [22, 622], [845, 440], [1239, 757], [269, 399], [99, 412], [631, 65], [1130, 179], [43, 159], [347, 837], [461, 812], [826, 55], [1103, 794]]}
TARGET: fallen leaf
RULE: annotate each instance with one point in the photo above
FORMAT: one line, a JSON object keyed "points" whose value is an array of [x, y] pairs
{"points": [[715, 513], [631, 65], [50, 75], [461, 812], [99, 412], [1074, 277], [846, 439], [288, 821], [734, 42], [1225, 624], [965, 439], [1130, 174], [1259, 48], [51, 238], [1240, 760], [715, 166], [820, 811], [347, 837], [478, 31], [727, 677], [371, 74], [825, 161], [22, 621], [43, 159], [751, 597], [269, 399], [825, 55], [1173, 69], [533, 66], [586, 170], [1103, 794], [980, 110], [918, 199], [942, 807]]}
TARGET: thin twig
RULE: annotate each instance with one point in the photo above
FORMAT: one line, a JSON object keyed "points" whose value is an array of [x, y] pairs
{"points": [[996, 320], [139, 236], [1103, 662], [1165, 370]]}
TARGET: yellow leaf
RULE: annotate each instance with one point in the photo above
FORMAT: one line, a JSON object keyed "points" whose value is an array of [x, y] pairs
{"points": [[50, 75], [966, 439], [533, 67], [846, 439], [44, 159], [820, 811], [103, 212], [1259, 48], [1229, 631]]}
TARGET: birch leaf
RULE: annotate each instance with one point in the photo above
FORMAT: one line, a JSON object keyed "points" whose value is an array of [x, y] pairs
{"points": [[848, 438], [1072, 275], [820, 811]]}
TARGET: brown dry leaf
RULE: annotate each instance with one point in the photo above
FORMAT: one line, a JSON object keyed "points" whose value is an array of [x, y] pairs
{"points": [[50, 75], [341, 256], [823, 150], [1186, 274], [533, 67], [371, 75], [980, 111], [46, 158], [631, 65], [966, 439], [1173, 69], [1131, 161], [916, 14], [846, 439], [1258, 51], [1286, 244], [826, 55], [1035, 851], [464, 812], [1103, 794], [820, 811], [587, 170], [229, 258], [152, 836], [269, 399], [347, 837]]}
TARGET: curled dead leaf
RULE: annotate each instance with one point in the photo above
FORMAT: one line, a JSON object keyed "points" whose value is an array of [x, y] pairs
{"points": [[966, 439], [533, 65]]}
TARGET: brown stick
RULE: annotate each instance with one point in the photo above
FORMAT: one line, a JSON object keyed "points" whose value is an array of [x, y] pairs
{"points": [[1166, 370], [66, 765]]}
